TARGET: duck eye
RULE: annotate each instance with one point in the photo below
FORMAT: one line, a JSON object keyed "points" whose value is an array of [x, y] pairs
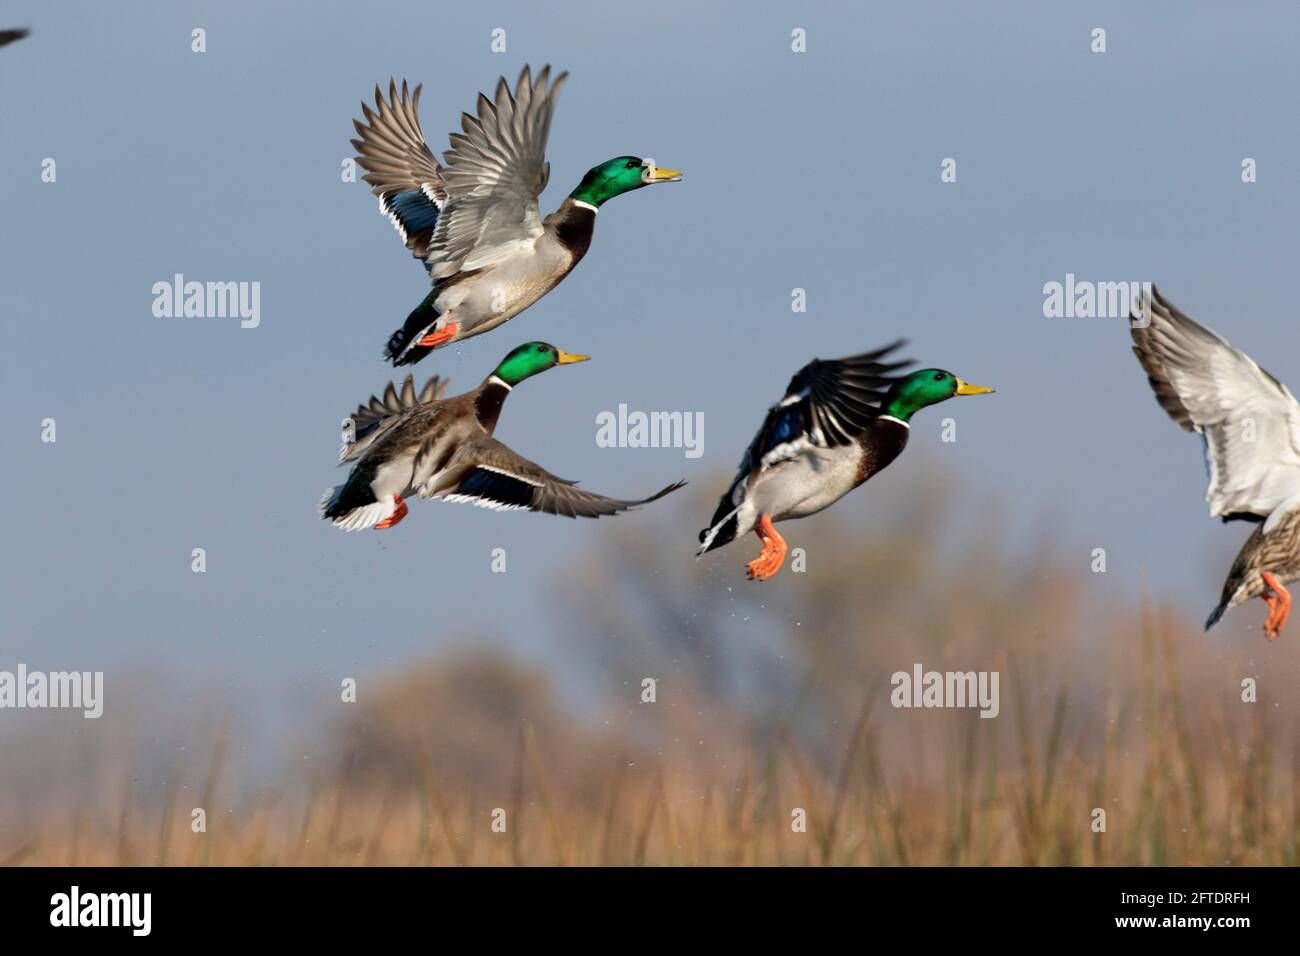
{"points": [[541, 348], [938, 376], [632, 164]]}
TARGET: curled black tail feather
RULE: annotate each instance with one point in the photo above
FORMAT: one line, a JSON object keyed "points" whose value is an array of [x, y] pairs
{"points": [[349, 496], [423, 316], [726, 534]]}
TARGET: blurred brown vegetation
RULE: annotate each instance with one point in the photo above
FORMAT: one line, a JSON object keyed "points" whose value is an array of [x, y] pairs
{"points": [[775, 697]]}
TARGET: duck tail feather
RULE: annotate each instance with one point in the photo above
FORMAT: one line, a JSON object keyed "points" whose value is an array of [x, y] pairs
{"points": [[401, 349], [352, 509], [724, 532], [1215, 615]]}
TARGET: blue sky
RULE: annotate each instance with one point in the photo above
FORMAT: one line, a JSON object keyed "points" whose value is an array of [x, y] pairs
{"points": [[816, 170]]}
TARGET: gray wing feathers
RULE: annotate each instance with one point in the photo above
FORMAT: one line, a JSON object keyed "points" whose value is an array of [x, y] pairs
{"points": [[513, 482], [393, 150], [374, 419], [494, 172], [1249, 420]]}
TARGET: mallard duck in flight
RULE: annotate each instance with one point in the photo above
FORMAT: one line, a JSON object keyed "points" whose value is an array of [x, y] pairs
{"points": [[443, 448], [840, 422], [474, 220], [1250, 425]]}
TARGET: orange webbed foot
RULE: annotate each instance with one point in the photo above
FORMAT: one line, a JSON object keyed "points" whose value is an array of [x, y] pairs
{"points": [[398, 514], [772, 556], [434, 339], [1279, 606]]}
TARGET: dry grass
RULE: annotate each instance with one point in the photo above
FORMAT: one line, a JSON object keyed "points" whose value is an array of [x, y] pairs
{"points": [[770, 700]]}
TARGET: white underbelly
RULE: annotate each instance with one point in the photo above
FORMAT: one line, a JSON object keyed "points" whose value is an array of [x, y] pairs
{"points": [[806, 485], [499, 294], [392, 478]]}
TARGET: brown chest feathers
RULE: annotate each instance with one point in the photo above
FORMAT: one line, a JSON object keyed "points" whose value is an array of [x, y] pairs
{"points": [[573, 226], [487, 403], [1277, 552], [881, 442]]}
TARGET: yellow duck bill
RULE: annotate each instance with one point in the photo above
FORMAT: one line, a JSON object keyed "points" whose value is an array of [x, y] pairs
{"points": [[660, 174]]}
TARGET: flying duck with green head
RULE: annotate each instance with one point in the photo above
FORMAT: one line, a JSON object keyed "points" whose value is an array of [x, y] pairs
{"points": [[407, 444], [474, 220], [840, 422]]}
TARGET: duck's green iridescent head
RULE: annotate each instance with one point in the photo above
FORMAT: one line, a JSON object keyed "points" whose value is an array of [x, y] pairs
{"points": [[529, 359], [618, 176], [929, 386]]}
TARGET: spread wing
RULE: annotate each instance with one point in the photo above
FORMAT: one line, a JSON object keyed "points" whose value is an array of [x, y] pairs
{"points": [[491, 475], [401, 170], [494, 172], [827, 403], [373, 420], [481, 203], [1249, 420]]}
